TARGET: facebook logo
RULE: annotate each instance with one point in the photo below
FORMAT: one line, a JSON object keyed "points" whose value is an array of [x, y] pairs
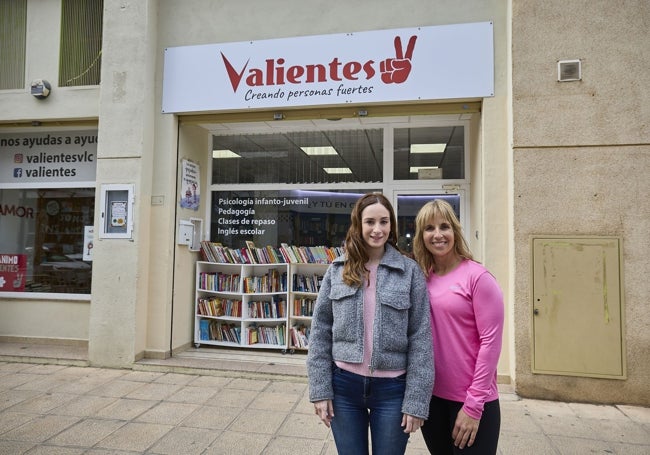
{"points": [[18, 172]]}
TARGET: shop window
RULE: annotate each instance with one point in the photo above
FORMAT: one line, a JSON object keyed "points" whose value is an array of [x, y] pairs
{"points": [[295, 217], [81, 42], [429, 153], [46, 240], [13, 26], [299, 157]]}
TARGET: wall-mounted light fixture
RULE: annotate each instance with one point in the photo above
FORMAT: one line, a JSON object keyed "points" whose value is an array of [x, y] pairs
{"points": [[41, 88], [278, 116]]}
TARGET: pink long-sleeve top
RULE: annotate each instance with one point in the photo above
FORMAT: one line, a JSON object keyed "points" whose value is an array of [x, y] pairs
{"points": [[467, 320]]}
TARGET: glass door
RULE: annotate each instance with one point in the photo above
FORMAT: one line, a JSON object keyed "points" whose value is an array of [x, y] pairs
{"points": [[408, 203]]}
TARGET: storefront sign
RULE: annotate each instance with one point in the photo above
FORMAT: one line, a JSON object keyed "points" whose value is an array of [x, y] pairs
{"points": [[41, 158], [13, 268], [424, 63]]}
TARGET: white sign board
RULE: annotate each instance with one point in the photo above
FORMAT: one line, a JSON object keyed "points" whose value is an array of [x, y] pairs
{"points": [[423, 63], [36, 159]]}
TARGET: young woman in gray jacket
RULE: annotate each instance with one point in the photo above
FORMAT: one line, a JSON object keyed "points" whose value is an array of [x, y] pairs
{"points": [[370, 360]]}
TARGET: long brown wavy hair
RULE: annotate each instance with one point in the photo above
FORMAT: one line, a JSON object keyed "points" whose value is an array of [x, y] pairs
{"points": [[425, 216], [354, 270]]}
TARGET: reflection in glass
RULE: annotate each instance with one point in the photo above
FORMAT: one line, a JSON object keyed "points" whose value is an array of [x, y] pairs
{"points": [[429, 153], [299, 157], [47, 226], [407, 209], [295, 217]]}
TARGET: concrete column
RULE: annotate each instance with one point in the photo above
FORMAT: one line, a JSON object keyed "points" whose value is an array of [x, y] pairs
{"points": [[117, 327]]}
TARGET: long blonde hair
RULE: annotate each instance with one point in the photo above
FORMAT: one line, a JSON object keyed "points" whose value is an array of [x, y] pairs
{"points": [[425, 216], [354, 269]]}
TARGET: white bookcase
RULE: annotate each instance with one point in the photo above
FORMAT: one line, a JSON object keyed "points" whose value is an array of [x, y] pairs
{"points": [[241, 305], [255, 306], [304, 285]]}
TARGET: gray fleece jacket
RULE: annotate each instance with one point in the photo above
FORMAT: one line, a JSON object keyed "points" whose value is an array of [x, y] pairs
{"points": [[402, 329]]}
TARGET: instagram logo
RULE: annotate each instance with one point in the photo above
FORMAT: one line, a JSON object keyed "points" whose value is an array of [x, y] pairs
{"points": [[18, 158]]}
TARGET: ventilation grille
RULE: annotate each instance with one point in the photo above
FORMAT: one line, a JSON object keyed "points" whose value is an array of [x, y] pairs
{"points": [[569, 70]]}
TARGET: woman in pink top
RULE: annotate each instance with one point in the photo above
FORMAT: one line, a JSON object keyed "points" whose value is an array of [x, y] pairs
{"points": [[467, 324]]}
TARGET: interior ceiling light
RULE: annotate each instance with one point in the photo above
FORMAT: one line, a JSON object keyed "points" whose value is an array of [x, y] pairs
{"points": [[224, 154], [319, 151], [416, 169], [428, 148], [337, 170]]}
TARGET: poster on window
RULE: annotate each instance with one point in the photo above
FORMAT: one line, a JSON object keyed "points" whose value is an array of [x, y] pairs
{"points": [[190, 196], [13, 268]]}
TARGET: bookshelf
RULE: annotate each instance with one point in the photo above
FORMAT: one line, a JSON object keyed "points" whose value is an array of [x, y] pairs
{"points": [[241, 305], [263, 304], [305, 283]]}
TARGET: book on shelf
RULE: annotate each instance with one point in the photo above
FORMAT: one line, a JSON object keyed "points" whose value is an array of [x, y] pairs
{"points": [[300, 335], [204, 329], [284, 254]]}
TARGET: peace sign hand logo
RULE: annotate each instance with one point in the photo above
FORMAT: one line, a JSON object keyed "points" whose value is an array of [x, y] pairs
{"points": [[396, 70]]}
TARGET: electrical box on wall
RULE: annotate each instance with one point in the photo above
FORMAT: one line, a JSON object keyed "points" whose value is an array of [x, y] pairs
{"points": [[190, 233], [117, 211]]}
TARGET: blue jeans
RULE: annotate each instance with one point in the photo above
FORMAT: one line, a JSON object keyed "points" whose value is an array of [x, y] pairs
{"points": [[361, 402]]}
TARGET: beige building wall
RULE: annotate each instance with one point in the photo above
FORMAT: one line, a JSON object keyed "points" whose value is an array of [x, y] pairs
{"points": [[581, 158]]}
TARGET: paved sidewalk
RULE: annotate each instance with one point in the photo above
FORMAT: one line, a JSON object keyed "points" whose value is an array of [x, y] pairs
{"points": [[50, 408]]}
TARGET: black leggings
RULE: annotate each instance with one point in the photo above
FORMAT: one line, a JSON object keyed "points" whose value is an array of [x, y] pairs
{"points": [[442, 416]]}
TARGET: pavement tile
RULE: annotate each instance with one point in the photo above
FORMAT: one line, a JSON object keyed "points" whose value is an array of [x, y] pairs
{"points": [[303, 426], [278, 401], [43, 383], [167, 413], [13, 367], [86, 433], [513, 443], [623, 431], [238, 443], [142, 376], [116, 388], [84, 406], [14, 447], [283, 445], [636, 413], [12, 380], [630, 449], [247, 384], [10, 420], [216, 382], [40, 429], [175, 378], [153, 391], [10, 398], [191, 394], [135, 436], [212, 417], [597, 411], [43, 403], [572, 446], [44, 368], [125, 409], [232, 398], [287, 387], [186, 441], [255, 421], [517, 417], [45, 449]]}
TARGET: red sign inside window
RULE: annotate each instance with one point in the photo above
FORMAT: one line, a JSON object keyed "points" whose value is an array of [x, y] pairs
{"points": [[13, 268]]}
